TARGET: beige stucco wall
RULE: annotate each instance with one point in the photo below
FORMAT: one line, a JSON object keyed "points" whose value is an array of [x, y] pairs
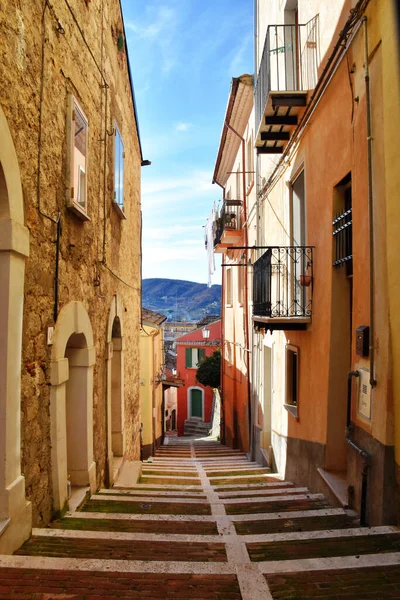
{"points": [[151, 390], [38, 127]]}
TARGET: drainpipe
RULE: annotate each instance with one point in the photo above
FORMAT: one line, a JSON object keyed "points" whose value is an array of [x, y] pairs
{"points": [[363, 454], [372, 379], [246, 291], [222, 415]]}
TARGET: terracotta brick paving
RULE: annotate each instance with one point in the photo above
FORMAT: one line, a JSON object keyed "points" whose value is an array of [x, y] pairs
{"points": [[123, 550], [345, 584], [140, 526], [273, 507], [319, 523], [157, 508], [194, 561], [319, 548], [33, 584]]}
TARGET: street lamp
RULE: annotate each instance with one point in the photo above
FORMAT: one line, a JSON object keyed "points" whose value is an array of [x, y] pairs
{"points": [[206, 333]]}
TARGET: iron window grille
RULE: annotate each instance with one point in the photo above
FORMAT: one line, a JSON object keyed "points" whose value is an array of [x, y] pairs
{"points": [[343, 236]]}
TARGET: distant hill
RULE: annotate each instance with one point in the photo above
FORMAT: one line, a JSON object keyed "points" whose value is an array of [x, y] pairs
{"points": [[181, 300]]}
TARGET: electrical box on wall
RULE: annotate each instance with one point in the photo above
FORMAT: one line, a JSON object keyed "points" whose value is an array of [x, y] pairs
{"points": [[364, 393], [362, 340]]}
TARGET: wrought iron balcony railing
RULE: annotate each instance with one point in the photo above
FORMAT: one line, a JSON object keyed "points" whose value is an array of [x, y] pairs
{"points": [[230, 219], [282, 283], [289, 62]]}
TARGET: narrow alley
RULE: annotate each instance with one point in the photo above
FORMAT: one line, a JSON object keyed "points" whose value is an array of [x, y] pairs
{"points": [[204, 522]]}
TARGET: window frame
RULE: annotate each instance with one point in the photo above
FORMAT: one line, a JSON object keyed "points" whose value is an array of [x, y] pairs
{"points": [[292, 372], [73, 192], [118, 206], [201, 354]]}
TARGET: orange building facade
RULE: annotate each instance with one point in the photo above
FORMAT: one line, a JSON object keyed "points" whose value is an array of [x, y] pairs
{"points": [[234, 173], [310, 273], [320, 296], [195, 401]]}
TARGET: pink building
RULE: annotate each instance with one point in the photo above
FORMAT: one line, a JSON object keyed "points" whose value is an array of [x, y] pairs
{"points": [[194, 400]]}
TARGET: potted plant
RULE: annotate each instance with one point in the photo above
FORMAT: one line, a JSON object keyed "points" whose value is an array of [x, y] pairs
{"points": [[305, 280]]}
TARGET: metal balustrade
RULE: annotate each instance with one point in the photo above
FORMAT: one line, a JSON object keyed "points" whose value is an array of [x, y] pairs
{"points": [[289, 62], [283, 282]]}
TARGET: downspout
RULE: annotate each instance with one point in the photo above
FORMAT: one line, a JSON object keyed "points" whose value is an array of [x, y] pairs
{"points": [[372, 379], [222, 415], [246, 291], [57, 269]]}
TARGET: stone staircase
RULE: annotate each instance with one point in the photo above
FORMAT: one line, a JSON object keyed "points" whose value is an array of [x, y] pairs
{"points": [[196, 428], [205, 523]]}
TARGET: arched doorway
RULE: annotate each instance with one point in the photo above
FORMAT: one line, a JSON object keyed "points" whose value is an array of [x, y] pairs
{"points": [[15, 512], [196, 403], [71, 403], [115, 389]]}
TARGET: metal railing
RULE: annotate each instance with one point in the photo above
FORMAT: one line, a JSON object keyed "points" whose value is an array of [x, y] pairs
{"points": [[289, 62], [283, 281], [230, 218]]}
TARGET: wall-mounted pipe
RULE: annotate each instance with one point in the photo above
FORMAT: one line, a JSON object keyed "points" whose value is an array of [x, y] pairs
{"points": [[246, 290], [372, 379], [56, 272], [222, 408]]}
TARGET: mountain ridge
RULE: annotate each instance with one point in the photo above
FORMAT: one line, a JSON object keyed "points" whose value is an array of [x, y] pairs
{"points": [[180, 299]]}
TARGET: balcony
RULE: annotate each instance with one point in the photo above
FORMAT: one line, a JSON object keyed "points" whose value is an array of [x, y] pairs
{"points": [[288, 70], [228, 226], [282, 288]]}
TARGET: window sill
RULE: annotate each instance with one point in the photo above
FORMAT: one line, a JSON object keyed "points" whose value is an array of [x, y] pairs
{"points": [[119, 211], [78, 211], [292, 410]]}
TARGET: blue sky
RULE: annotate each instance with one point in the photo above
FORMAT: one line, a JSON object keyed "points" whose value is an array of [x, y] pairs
{"points": [[183, 55]]}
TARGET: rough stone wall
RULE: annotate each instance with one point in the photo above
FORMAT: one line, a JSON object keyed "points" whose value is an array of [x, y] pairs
{"points": [[46, 52]]}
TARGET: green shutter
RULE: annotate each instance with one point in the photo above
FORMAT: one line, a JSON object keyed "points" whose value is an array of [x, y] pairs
{"points": [[188, 358], [201, 354]]}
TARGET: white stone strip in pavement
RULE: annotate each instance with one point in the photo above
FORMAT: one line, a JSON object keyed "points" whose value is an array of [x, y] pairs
{"points": [[233, 477], [295, 514], [188, 459], [119, 566], [320, 535], [329, 564], [151, 499], [160, 486], [139, 517], [270, 499], [168, 477], [179, 468], [229, 467], [251, 486], [128, 537], [252, 583], [142, 492], [261, 492]]}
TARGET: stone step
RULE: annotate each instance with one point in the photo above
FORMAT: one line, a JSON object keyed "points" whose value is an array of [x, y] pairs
{"points": [[94, 548], [344, 543], [59, 583], [145, 507]]}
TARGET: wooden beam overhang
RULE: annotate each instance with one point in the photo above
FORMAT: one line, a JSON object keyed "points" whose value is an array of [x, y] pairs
{"points": [[275, 136]]}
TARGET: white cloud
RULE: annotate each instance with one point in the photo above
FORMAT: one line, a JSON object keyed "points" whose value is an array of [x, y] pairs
{"points": [[183, 126]]}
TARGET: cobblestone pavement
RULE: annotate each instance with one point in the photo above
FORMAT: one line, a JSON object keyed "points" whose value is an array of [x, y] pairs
{"points": [[205, 523]]}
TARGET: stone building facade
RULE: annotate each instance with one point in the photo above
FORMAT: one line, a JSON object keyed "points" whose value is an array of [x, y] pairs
{"points": [[70, 159]]}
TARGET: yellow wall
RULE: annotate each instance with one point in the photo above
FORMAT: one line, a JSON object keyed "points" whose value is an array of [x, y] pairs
{"points": [[151, 360]]}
